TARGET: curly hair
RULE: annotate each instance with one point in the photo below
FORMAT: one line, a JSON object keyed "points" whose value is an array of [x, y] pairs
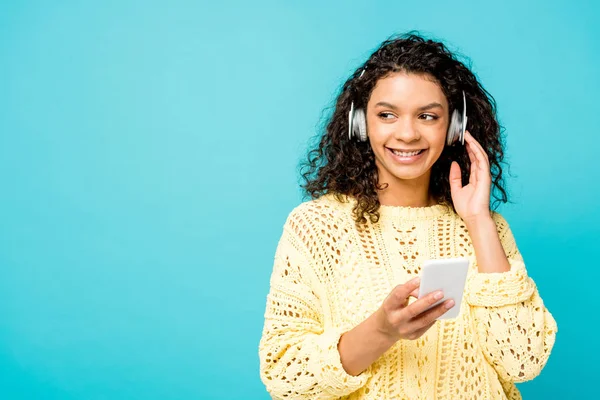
{"points": [[342, 166]]}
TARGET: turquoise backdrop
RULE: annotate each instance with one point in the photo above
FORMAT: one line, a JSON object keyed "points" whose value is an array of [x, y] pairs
{"points": [[148, 154]]}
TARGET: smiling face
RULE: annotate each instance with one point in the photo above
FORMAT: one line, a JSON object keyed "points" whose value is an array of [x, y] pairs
{"points": [[407, 119]]}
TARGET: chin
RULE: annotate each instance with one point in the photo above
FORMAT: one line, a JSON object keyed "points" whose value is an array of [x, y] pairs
{"points": [[403, 173], [408, 176]]}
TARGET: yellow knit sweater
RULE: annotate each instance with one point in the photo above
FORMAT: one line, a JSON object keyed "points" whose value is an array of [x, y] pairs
{"points": [[329, 276]]}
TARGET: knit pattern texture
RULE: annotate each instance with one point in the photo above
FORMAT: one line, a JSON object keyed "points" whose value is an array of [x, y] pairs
{"points": [[330, 275]]}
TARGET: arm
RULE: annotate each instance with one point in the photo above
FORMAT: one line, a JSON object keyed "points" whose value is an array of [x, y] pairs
{"points": [[514, 327], [299, 357], [393, 321], [364, 344]]}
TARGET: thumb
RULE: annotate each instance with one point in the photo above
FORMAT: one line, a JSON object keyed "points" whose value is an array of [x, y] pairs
{"points": [[401, 293], [455, 177]]}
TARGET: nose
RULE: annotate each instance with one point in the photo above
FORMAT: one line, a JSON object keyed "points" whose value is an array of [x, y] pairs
{"points": [[406, 131]]}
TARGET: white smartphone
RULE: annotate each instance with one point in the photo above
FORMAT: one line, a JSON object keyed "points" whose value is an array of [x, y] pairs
{"points": [[448, 275]]}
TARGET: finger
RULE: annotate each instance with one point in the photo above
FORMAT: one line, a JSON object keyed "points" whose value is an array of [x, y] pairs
{"points": [[481, 167], [478, 150], [415, 293], [421, 331], [482, 161], [470, 152], [430, 316], [421, 305], [401, 292], [455, 177], [481, 150], [474, 162]]}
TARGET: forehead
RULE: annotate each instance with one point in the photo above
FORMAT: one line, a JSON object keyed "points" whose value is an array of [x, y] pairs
{"points": [[408, 89]]}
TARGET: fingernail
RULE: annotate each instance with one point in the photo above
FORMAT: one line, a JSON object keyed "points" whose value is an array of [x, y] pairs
{"points": [[438, 295], [417, 280], [450, 304]]}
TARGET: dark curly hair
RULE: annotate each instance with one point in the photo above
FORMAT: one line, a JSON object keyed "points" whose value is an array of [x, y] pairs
{"points": [[343, 167]]}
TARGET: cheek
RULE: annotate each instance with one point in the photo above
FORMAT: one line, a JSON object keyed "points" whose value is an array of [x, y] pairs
{"points": [[437, 143], [437, 137], [441, 143], [378, 133]]}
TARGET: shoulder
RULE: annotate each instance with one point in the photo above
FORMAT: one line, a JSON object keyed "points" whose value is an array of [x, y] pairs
{"points": [[505, 233], [326, 213], [501, 222], [326, 208]]}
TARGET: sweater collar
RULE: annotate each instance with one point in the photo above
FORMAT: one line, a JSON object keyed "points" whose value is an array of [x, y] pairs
{"points": [[404, 212]]}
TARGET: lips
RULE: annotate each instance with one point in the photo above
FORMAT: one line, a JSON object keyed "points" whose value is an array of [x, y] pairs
{"points": [[406, 156], [407, 153]]}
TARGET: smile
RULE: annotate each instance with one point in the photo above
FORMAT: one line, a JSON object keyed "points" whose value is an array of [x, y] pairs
{"points": [[406, 153], [405, 156]]}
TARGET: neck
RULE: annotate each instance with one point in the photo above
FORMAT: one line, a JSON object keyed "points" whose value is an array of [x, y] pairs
{"points": [[406, 193]]}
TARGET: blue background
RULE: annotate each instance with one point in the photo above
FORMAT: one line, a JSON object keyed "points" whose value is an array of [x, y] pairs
{"points": [[148, 155]]}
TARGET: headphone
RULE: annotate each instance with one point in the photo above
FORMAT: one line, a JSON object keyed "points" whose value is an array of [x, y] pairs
{"points": [[357, 123]]}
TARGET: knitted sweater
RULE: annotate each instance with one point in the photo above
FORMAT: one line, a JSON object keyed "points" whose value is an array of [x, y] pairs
{"points": [[329, 276]]}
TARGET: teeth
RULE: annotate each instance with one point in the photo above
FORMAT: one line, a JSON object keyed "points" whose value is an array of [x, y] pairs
{"points": [[406, 154]]}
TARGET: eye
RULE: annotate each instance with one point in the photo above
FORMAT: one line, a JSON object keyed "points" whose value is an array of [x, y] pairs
{"points": [[385, 115], [428, 117]]}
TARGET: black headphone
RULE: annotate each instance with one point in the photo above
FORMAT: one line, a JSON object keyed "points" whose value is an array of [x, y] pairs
{"points": [[357, 123]]}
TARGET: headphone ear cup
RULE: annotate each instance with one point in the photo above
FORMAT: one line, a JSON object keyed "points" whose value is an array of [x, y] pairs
{"points": [[359, 125], [458, 125], [463, 120], [455, 129]]}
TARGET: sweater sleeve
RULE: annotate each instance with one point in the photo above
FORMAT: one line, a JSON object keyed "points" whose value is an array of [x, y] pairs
{"points": [[299, 357], [515, 329]]}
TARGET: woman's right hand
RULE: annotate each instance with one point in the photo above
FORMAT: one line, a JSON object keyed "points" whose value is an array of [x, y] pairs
{"points": [[399, 320], [394, 320]]}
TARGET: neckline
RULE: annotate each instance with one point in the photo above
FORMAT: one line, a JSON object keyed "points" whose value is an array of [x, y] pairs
{"points": [[409, 212], [404, 212]]}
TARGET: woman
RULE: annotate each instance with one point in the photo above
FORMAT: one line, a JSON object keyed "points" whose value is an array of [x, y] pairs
{"points": [[342, 318]]}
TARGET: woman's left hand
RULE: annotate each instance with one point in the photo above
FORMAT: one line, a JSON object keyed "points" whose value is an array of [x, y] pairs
{"points": [[472, 201]]}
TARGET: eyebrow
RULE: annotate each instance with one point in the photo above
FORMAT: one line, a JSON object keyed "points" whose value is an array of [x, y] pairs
{"points": [[423, 108]]}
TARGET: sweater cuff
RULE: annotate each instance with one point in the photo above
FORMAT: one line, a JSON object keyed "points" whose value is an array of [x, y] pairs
{"points": [[327, 366], [498, 289]]}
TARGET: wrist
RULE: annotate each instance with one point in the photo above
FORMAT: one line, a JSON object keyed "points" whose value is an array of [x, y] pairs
{"points": [[364, 344], [480, 220], [382, 329]]}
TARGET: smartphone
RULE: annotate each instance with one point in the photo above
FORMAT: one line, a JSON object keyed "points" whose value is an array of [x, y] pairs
{"points": [[448, 275]]}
